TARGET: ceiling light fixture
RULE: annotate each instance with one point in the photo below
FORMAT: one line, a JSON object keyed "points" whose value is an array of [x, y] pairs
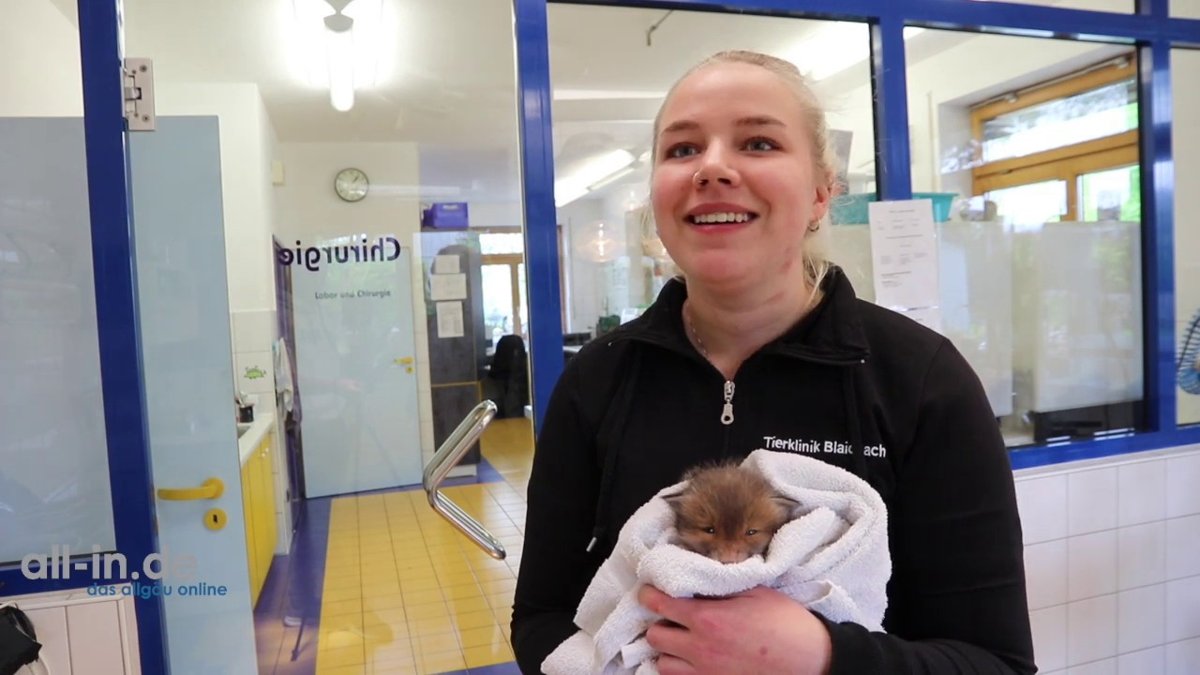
{"points": [[596, 172], [340, 44], [335, 45]]}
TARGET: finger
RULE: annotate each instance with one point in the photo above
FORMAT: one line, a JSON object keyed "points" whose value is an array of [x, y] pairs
{"points": [[670, 665], [669, 639], [660, 603]]}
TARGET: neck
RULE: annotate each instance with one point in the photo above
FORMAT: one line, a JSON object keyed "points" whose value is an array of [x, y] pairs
{"points": [[728, 328]]}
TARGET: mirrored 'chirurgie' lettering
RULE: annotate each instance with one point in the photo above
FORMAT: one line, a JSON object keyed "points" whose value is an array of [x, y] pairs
{"points": [[312, 257]]}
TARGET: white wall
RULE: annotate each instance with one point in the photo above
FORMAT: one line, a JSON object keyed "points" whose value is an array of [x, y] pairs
{"points": [[495, 214], [41, 75], [1112, 563]]}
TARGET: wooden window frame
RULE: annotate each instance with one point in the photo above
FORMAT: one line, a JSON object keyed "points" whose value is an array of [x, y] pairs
{"points": [[1067, 163]]}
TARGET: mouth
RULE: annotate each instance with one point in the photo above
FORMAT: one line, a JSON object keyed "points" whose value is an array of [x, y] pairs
{"points": [[721, 218]]}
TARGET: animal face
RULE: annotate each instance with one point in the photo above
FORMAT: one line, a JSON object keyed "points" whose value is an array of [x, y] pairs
{"points": [[728, 513]]}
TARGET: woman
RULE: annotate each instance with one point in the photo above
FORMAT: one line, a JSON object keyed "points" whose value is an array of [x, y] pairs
{"points": [[766, 346]]}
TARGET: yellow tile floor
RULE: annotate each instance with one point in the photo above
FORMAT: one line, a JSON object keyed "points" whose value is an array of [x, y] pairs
{"points": [[405, 592]]}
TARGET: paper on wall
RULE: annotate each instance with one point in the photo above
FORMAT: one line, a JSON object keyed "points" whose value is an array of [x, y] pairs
{"points": [[449, 319], [445, 264], [448, 286], [904, 254]]}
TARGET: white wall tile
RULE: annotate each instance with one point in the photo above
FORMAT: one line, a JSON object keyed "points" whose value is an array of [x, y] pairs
{"points": [[1141, 618], [1183, 547], [1182, 658], [1145, 662], [1092, 630], [253, 331], [1141, 555], [1043, 506], [255, 372], [1049, 637], [1141, 492], [95, 631], [1105, 667], [1183, 609], [1183, 486], [50, 624], [1046, 574], [1091, 565], [1091, 501]]}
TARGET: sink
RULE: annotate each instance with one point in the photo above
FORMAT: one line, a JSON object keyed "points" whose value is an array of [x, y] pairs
{"points": [[243, 427]]}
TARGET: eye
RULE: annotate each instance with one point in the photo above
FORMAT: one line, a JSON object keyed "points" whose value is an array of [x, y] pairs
{"points": [[679, 151], [761, 145], [710, 530], [751, 532]]}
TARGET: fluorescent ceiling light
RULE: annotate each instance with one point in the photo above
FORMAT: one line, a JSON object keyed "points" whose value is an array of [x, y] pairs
{"points": [[834, 47], [342, 60], [596, 172], [340, 44]]}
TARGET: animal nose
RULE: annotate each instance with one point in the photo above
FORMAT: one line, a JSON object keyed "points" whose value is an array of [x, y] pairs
{"points": [[729, 557]]}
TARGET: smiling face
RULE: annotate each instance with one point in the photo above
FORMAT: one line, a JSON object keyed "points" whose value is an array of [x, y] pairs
{"points": [[735, 186]]}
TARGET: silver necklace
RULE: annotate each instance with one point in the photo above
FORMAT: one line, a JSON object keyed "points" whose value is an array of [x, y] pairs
{"points": [[691, 327]]}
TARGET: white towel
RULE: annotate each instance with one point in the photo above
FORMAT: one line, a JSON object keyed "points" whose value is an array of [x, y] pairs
{"points": [[834, 559]]}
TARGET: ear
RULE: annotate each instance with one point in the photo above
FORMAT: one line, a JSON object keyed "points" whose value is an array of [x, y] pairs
{"points": [[823, 195], [792, 506], [675, 500]]}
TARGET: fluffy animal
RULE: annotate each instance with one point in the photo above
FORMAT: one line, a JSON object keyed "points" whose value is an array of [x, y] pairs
{"points": [[728, 512]]}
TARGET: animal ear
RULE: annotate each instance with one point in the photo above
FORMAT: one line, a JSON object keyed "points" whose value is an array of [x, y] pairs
{"points": [[792, 506], [675, 499]]}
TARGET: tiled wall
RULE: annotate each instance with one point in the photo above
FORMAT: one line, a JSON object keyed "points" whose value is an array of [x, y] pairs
{"points": [[253, 361], [1112, 558]]}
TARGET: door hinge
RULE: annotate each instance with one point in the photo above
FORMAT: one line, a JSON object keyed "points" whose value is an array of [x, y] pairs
{"points": [[139, 94]]}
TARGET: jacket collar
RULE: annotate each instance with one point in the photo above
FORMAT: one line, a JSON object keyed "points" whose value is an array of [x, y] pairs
{"points": [[831, 333]]}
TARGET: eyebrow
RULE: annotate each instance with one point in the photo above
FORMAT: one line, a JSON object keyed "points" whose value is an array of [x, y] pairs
{"points": [[752, 121]]}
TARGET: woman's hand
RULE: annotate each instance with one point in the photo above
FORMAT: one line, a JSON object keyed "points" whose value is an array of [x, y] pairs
{"points": [[759, 631]]}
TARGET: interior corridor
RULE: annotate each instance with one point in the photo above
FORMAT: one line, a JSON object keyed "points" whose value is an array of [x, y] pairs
{"points": [[380, 583]]}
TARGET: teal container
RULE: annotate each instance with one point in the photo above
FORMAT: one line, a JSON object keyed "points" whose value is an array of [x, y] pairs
{"points": [[853, 210]]}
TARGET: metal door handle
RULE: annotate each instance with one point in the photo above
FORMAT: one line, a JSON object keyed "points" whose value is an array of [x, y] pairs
{"points": [[209, 489], [445, 459]]}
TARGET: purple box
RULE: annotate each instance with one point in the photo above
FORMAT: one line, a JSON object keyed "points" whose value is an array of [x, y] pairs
{"points": [[445, 216]]}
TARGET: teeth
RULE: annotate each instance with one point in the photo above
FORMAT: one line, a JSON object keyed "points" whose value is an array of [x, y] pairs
{"points": [[721, 218]]}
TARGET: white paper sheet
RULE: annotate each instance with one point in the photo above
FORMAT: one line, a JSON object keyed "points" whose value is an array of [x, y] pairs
{"points": [[449, 319], [448, 286], [904, 254], [446, 264]]}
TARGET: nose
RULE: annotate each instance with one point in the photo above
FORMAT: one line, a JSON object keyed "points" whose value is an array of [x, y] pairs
{"points": [[716, 167], [731, 555]]}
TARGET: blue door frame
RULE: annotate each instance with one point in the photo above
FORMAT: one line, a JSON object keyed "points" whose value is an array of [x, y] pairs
{"points": [[1149, 28]]}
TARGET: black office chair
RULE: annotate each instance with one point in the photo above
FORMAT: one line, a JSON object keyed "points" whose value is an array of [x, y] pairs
{"points": [[507, 383]]}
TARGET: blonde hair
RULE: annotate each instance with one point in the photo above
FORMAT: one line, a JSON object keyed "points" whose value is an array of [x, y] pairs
{"points": [[816, 265]]}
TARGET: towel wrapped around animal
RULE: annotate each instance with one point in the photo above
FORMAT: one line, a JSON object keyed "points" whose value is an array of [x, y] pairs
{"points": [[833, 558]]}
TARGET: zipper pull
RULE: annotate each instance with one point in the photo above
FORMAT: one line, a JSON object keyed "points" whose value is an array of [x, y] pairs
{"points": [[727, 411]]}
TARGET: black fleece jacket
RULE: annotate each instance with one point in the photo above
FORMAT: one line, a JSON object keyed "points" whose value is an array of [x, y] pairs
{"points": [[853, 384]]}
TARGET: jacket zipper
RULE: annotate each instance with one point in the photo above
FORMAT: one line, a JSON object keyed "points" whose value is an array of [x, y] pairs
{"points": [[727, 410]]}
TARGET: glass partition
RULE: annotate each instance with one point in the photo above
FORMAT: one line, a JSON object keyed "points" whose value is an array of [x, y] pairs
{"points": [[610, 69], [54, 478], [1185, 139], [1029, 156]]}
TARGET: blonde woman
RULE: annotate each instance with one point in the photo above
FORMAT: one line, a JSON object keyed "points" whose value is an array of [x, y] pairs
{"points": [[766, 345]]}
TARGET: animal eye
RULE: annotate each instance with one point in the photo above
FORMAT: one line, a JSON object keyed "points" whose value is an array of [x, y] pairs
{"points": [[710, 530], [761, 144], [751, 532]]}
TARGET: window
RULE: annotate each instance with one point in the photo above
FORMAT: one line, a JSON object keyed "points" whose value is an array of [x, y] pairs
{"points": [[1070, 143]]}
